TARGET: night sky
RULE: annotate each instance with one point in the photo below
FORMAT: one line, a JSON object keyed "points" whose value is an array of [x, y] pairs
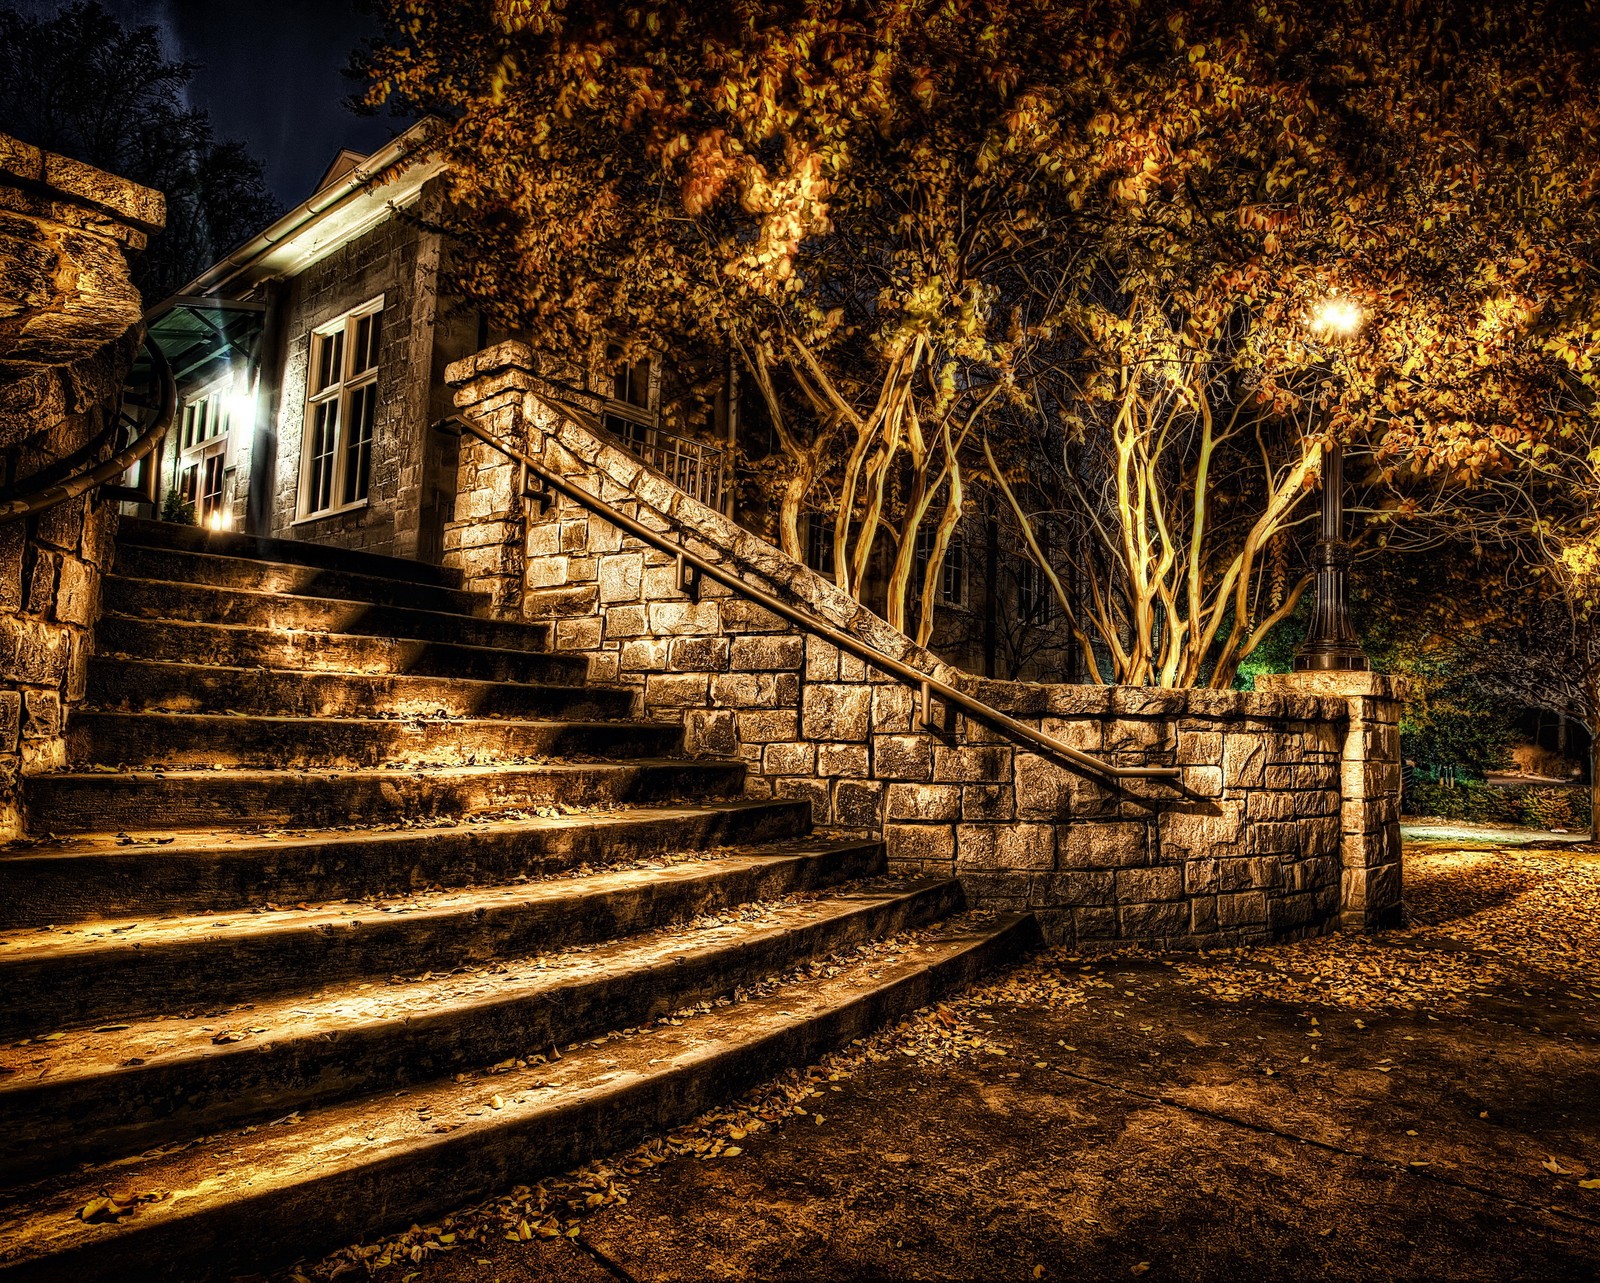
{"points": [[269, 76]]}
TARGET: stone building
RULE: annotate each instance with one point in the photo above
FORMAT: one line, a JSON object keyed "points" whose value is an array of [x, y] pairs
{"points": [[310, 364]]}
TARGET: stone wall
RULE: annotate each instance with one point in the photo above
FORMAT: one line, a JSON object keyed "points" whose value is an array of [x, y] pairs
{"points": [[1259, 839], [68, 335], [399, 259]]}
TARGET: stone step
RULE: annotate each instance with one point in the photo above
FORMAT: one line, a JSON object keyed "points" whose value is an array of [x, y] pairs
{"points": [[159, 1081], [173, 565], [136, 686], [231, 646], [210, 739], [166, 534], [118, 970], [159, 599], [84, 878], [381, 1163], [133, 801]]}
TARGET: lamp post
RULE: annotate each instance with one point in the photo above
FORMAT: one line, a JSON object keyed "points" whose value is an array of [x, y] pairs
{"points": [[1331, 643]]}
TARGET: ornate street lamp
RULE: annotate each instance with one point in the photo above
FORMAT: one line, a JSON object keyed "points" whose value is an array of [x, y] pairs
{"points": [[1331, 642]]}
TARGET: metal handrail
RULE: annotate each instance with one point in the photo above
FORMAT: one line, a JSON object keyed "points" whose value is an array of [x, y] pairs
{"points": [[117, 464], [692, 568]]}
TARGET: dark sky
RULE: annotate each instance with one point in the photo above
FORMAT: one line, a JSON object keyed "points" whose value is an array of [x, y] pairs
{"points": [[269, 76]]}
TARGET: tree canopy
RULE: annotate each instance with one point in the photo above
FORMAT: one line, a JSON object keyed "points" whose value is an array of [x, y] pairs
{"points": [[1095, 256], [83, 85]]}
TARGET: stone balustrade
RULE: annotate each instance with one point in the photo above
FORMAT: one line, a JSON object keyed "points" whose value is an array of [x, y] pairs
{"points": [[1284, 821]]}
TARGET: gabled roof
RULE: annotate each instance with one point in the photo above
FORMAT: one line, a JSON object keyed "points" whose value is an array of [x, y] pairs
{"points": [[342, 164], [344, 207]]}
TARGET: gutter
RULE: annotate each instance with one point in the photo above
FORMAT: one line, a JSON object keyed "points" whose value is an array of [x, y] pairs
{"points": [[407, 146]]}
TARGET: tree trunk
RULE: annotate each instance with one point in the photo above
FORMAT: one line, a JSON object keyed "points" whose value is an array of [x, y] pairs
{"points": [[1594, 786]]}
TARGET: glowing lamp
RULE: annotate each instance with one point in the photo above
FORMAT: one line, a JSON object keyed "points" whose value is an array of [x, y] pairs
{"points": [[1337, 316], [221, 519]]}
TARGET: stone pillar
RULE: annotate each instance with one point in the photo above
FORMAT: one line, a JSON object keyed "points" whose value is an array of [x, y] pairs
{"points": [[1369, 849], [487, 538], [69, 330]]}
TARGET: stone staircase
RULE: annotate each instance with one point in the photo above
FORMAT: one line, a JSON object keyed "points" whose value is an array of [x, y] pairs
{"points": [[353, 906]]}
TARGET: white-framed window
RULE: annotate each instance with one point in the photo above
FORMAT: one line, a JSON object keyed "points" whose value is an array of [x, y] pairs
{"points": [[952, 575], [203, 430], [341, 411]]}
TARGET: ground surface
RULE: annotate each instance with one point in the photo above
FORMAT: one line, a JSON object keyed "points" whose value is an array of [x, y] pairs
{"points": [[1422, 1104]]}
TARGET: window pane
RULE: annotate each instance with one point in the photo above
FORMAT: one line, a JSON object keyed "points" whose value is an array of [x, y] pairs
{"points": [[324, 439], [211, 491], [358, 446], [330, 360], [365, 355]]}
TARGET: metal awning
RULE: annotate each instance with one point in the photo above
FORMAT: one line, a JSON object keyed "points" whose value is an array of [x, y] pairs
{"points": [[201, 337]]}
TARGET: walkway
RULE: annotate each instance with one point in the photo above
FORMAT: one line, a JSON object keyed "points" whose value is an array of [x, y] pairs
{"points": [[1420, 1104]]}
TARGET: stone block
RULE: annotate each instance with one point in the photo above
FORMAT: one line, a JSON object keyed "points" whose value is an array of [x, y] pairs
{"points": [[798, 758], [767, 726], [844, 759], [821, 660], [10, 719], [626, 621], [741, 616], [1025, 846], [1202, 781], [891, 708], [621, 577], [919, 842], [1076, 889], [643, 655], [1086, 844], [545, 572], [740, 690], [977, 765], [1244, 761], [1202, 829], [1199, 748], [831, 712], [924, 802], [76, 593], [677, 618], [709, 733], [1264, 804], [902, 757], [1153, 922], [1242, 909], [807, 790], [675, 690], [41, 715], [1140, 885], [579, 634], [1246, 873], [767, 653], [858, 804], [698, 654], [995, 803]]}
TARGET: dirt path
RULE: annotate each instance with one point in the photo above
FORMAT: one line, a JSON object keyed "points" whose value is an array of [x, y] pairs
{"points": [[1422, 1104]]}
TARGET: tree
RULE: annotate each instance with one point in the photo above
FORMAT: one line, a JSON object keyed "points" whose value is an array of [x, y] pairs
{"points": [[83, 85], [1081, 245]]}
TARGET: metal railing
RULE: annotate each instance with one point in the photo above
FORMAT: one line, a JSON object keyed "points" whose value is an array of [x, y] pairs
{"points": [[698, 469], [146, 437], [692, 569]]}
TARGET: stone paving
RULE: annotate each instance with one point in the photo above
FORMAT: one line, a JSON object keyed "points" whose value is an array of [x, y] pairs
{"points": [[1420, 1104]]}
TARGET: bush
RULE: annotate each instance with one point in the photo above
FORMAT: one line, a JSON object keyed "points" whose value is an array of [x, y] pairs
{"points": [[1544, 806]]}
